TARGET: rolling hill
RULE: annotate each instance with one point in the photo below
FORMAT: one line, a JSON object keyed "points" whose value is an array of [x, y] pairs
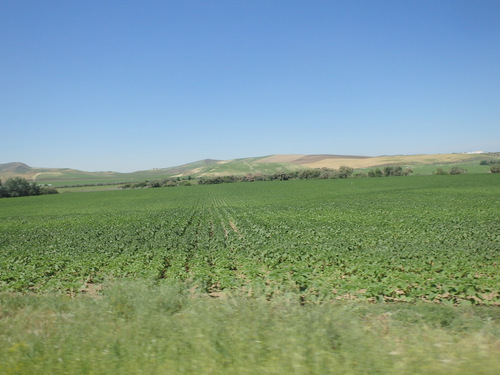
{"points": [[421, 164]]}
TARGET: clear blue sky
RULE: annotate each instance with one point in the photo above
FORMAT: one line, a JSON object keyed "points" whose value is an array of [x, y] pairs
{"points": [[131, 85]]}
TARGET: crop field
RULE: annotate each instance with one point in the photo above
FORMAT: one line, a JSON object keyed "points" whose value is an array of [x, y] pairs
{"points": [[402, 245], [432, 238]]}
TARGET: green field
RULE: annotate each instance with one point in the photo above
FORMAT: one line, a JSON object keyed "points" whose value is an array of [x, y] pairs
{"points": [[264, 277], [430, 237], [471, 167]]}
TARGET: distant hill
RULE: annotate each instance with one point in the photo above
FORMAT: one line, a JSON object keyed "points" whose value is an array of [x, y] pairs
{"points": [[254, 165], [14, 168], [335, 161]]}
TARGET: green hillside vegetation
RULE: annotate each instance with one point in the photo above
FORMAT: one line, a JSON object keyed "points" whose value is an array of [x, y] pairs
{"points": [[420, 164], [241, 167], [68, 177]]}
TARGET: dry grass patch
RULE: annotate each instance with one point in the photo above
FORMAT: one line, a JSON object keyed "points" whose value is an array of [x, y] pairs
{"points": [[281, 158], [368, 162]]}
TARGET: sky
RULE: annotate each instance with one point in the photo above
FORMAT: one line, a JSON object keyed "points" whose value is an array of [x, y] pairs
{"points": [[133, 85]]}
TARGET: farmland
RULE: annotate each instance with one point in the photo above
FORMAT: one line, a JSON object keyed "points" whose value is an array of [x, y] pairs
{"points": [[299, 247], [432, 238]]}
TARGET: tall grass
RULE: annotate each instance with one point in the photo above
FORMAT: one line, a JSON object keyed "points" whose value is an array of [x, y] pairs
{"points": [[144, 328]]}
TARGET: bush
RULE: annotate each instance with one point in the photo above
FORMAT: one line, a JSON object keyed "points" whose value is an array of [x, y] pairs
{"points": [[407, 171], [490, 162], [375, 173], [396, 171], [3, 192], [48, 190], [280, 176], [388, 171], [326, 173], [308, 174], [20, 187], [360, 175], [440, 171], [458, 170], [345, 172], [495, 168], [154, 184]]}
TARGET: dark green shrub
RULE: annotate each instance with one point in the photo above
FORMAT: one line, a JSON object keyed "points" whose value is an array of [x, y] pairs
{"points": [[20, 187], [48, 190], [440, 171], [407, 171], [154, 184], [345, 172], [375, 173], [458, 170], [490, 162]]}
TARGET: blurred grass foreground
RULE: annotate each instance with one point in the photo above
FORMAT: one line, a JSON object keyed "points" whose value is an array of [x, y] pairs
{"points": [[139, 327]]}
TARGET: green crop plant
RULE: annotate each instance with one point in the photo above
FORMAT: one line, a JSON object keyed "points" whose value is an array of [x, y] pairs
{"points": [[432, 238]]}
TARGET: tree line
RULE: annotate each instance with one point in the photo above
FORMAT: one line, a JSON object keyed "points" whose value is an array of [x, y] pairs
{"points": [[389, 171], [20, 187], [453, 170], [166, 182], [307, 174], [490, 162]]}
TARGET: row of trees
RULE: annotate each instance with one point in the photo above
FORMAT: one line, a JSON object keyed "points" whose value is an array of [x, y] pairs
{"points": [[389, 171], [453, 170], [20, 187], [323, 173], [490, 162], [307, 174], [167, 182]]}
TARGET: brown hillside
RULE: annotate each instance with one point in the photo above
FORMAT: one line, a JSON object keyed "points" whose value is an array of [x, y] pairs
{"points": [[308, 159], [369, 162]]}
